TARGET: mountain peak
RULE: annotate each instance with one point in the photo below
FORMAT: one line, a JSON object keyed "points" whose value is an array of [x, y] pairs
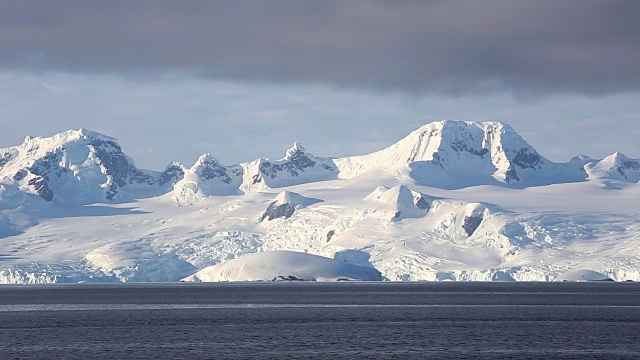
{"points": [[449, 153], [619, 156], [37, 146], [295, 151], [449, 124], [206, 159], [449, 141]]}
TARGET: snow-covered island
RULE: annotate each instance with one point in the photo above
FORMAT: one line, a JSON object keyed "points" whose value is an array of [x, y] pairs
{"points": [[284, 266], [452, 200]]}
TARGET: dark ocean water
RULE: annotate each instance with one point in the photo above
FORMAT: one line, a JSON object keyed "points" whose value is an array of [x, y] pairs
{"points": [[321, 320]]}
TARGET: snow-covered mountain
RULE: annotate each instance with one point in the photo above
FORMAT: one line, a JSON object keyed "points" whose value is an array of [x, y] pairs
{"points": [[210, 178], [456, 154], [80, 166], [451, 201], [616, 167]]}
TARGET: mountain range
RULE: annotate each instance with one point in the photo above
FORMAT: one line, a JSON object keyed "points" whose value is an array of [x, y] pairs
{"points": [[452, 200]]}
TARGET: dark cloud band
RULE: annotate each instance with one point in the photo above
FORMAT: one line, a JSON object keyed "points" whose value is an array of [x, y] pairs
{"points": [[452, 47]]}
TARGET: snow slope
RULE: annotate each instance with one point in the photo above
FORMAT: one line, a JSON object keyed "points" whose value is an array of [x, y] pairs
{"points": [[451, 201], [284, 265]]}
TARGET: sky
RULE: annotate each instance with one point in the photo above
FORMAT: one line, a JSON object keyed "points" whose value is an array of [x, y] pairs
{"points": [[245, 79]]}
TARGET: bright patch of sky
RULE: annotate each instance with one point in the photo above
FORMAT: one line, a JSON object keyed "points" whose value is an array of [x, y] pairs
{"points": [[177, 117]]}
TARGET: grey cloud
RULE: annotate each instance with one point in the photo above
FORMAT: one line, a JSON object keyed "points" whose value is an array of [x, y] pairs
{"points": [[450, 47]]}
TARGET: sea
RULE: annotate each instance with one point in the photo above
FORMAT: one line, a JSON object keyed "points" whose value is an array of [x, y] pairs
{"points": [[304, 320]]}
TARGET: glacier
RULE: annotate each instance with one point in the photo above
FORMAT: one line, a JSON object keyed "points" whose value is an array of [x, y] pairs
{"points": [[453, 200]]}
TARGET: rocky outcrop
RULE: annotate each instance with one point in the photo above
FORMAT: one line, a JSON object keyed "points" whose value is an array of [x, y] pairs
{"points": [[41, 187], [285, 205], [277, 211], [471, 224], [172, 174]]}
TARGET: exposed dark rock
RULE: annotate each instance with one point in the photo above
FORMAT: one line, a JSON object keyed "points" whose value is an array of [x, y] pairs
{"points": [[111, 192], [172, 173], [49, 165], [256, 179], [422, 204], [300, 160], [276, 211], [397, 214], [4, 159], [471, 224], [511, 174], [437, 159], [117, 165], [32, 150], [297, 162], [286, 278], [113, 159], [41, 187], [330, 235], [20, 175], [524, 159], [212, 169], [138, 177], [627, 164], [463, 146]]}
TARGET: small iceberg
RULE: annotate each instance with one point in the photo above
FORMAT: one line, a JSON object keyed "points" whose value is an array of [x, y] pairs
{"points": [[583, 275]]}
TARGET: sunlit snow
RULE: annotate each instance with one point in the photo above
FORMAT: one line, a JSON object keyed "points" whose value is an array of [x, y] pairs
{"points": [[451, 201]]}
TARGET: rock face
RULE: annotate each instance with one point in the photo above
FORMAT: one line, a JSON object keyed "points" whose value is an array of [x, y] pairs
{"points": [[455, 154], [87, 167], [207, 177], [78, 166], [41, 187], [172, 174], [471, 224], [277, 211], [489, 232], [615, 167], [397, 203], [297, 167], [285, 204]]}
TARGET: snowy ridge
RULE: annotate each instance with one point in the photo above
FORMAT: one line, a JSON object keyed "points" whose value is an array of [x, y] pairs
{"points": [[79, 166], [207, 177], [210, 178], [451, 201], [297, 167], [616, 167], [456, 154]]}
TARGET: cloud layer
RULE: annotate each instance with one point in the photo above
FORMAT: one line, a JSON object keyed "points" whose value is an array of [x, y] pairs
{"points": [[529, 48]]}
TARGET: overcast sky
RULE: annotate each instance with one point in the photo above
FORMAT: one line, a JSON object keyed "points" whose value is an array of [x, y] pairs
{"points": [[241, 79]]}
